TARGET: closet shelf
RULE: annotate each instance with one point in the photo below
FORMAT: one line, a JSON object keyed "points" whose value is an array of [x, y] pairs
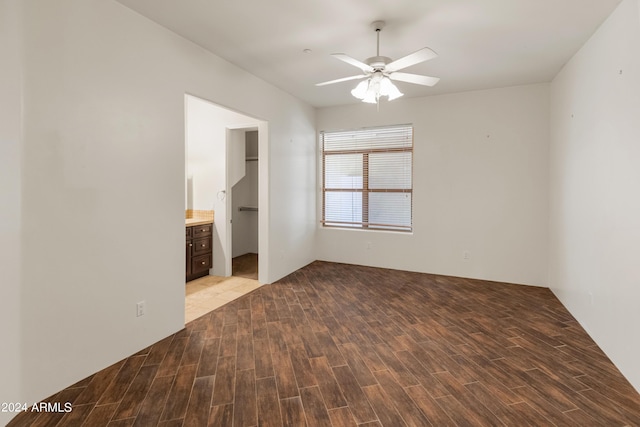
{"points": [[251, 159], [248, 208]]}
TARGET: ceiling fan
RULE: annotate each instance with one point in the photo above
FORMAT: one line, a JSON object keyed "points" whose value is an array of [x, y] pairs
{"points": [[380, 70]]}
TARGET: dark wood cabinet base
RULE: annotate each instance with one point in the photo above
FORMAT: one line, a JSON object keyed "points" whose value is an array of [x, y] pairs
{"points": [[199, 257]]}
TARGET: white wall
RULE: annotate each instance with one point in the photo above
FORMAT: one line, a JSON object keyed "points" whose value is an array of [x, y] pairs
{"points": [[10, 201], [480, 185], [595, 182], [103, 182]]}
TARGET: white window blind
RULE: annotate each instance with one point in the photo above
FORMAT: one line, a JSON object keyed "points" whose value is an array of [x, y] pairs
{"points": [[367, 178]]}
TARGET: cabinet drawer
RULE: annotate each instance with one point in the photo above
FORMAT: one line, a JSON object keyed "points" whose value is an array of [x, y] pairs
{"points": [[200, 263], [201, 230], [201, 246]]}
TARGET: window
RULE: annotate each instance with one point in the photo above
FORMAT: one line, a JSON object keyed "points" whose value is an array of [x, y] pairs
{"points": [[367, 178]]}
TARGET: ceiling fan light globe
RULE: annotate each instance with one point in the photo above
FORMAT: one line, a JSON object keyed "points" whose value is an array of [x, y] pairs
{"points": [[394, 93], [388, 89], [360, 91], [370, 98], [385, 86], [374, 88]]}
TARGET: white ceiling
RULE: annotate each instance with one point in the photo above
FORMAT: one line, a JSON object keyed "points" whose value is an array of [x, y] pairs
{"points": [[481, 43]]}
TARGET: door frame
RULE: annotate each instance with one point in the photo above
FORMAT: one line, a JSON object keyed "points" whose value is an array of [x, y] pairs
{"points": [[263, 199], [249, 122]]}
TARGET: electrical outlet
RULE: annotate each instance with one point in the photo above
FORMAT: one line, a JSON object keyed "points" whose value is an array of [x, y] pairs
{"points": [[466, 255], [368, 245], [140, 309]]}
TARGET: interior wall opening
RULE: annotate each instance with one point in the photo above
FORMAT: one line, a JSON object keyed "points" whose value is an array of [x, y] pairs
{"points": [[225, 199], [244, 203]]}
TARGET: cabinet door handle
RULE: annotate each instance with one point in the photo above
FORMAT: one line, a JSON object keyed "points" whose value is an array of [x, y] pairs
{"points": [[203, 245], [203, 262], [204, 229], [190, 244]]}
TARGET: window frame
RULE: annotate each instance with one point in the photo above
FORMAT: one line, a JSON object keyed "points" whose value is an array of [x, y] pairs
{"points": [[365, 190]]}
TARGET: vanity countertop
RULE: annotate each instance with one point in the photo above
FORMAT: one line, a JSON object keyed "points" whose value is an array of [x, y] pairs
{"points": [[197, 221]]}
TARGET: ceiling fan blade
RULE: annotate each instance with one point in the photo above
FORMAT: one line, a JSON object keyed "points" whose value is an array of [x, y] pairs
{"points": [[344, 79], [352, 61], [421, 55], [414, 78]]}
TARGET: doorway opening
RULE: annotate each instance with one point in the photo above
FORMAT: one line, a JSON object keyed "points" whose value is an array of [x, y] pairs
{"points": [[244, 196], [224, 177]]}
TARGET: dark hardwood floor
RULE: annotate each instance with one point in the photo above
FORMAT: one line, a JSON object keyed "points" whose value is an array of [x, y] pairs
{"points": [[245, 266], [339, 345]]}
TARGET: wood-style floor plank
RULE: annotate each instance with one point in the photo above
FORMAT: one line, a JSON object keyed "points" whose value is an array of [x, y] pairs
{"points": [[149, 414], [178, 399], [292, 412], [385, 410], [429, 407], [346, 346], [245, 404], [225, 381], [314, 407], [137, 391], [221, 416], [199, 402], [267, 402], [353, 394]]}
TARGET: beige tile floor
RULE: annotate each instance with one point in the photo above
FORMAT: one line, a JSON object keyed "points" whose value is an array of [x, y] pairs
{"points": [[210, 292]]}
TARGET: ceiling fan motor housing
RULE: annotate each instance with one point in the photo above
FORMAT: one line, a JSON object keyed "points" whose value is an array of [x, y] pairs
{"points": [[378, 62]]}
